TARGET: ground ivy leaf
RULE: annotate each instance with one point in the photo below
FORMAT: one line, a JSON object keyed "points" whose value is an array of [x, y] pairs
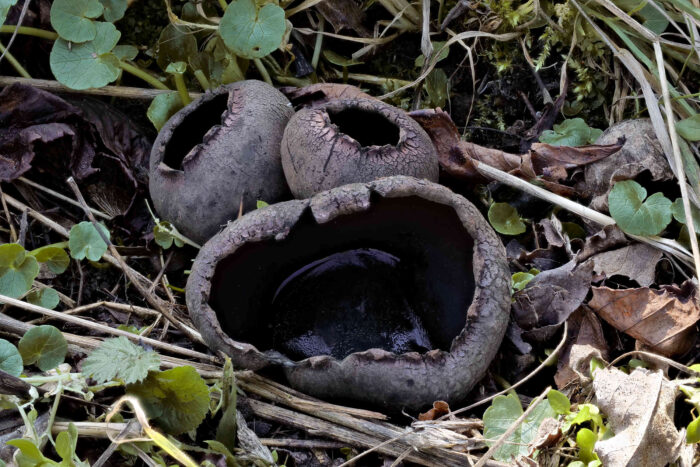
{"points": [[252, 33], [43, 345], [90, 64], [505, 219], [119, 358], [125, 52], [163, 235], [689, 128], [633, 213], [10, 359], [5, 6], [502, 413], [72, 19], [55, 257], [571, 132], [45, 297], [17, 270], [177, 399], [114, 9], [85, 242], [163, 107]]}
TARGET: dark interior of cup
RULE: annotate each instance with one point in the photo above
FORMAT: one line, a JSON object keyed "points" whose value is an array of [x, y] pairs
{"points": [[397, 276], [368, 127]]}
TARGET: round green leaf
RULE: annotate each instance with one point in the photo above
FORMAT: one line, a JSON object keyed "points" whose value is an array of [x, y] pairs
{"points": [[175, 45], [634, 214], [177, 68], [45, 297], [163, 107], [693, 434], [559, 402], [5, 6], [17, 270], [85, 242], [679, 213], [505, 219], [43, 345], [178, 399], [571, 132], [114, 9], [252, 33], [689, 128], [88, 65], [72, 19], [10, 359], [56, 258], [125, 52]]}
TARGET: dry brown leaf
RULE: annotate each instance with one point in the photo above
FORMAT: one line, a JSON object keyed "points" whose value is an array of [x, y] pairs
{"points": [[607, 238], [639, 407], [663, 320], [584, 341], [637, 262], [343, 14], [439, 409], [641, 152]]}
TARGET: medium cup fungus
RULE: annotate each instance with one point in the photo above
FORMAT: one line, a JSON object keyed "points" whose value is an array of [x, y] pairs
{"points": [[353, 140], [217, 154], [394, 292]]}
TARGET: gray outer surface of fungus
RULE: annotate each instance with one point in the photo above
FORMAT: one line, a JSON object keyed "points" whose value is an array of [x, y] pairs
{"points": [[318, 156], [236, 159], [375, 376]]}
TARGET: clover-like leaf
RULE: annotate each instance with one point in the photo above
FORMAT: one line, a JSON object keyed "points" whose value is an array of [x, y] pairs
{"points": [[17, 270], [502, 413], [689, 128], [85, 242], [634, 212], [165, 234], [10, 359], [90, 64], [163, 107], [505, 219], [73, 19], [119, 358], [5, 6], [572, 132], [43, 345], [55, 258], [45, 297], [177, 399], [114, 9], [252, 33]]}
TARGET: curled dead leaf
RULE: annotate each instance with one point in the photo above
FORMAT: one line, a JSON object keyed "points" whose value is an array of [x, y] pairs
{"points": [[439, 409], [663, 320], [637, 262], [585, 340]]}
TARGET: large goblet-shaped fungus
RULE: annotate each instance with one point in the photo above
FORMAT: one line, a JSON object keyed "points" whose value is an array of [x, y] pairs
{"points": [[394, 292], [353, 140], [217, 153]]}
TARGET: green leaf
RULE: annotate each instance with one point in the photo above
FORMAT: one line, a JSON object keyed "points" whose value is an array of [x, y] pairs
{"points": [[119, 358], [10, 359], [505, 219], [585, 439], [114, 9], [337, 59], [654, 20], [437, 88], [5, 6], [30, 451], [55, 257], [437, 45], [520, 279], [163, 107], [679, 213], [635, 213], [585, 413], [176, 68], [252, 33], [693, 432], [260, 204], [559, 402], [163, 235], [228, 425], [125, 52], [85, 242], [177, 399], [45, 297], [90, 64], [572, 132], [17, 270], [689, 128], [63, 446], [175, 45], [502, 413], [73, 19], [43, 345]]}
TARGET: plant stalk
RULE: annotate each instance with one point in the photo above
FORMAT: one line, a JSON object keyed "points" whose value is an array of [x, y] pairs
{"points": [[13, 61], [139, 73], [29, 31]]}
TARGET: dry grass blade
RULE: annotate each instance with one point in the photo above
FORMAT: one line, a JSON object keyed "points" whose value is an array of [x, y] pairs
{"points": [[58, 195]]}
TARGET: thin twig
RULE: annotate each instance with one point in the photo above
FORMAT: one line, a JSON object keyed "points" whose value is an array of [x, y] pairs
{"points": [[58, 195], [13, 232]]}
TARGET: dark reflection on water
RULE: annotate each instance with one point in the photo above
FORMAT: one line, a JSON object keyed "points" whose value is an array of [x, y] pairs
{"points": [[351, 301]]}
